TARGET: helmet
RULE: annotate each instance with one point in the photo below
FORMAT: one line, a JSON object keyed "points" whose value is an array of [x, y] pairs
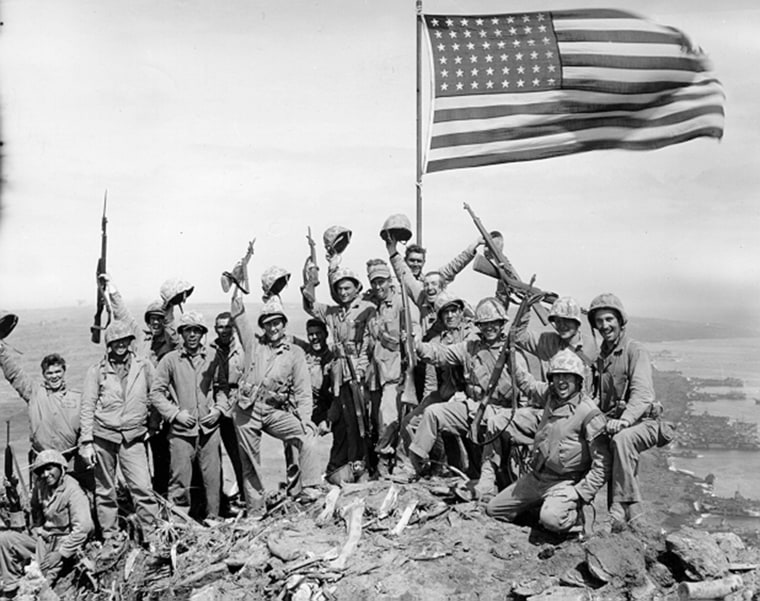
{"points": [[336, 239], [566, 307], [445, 299], [118, 330], [397, 227], [344, 273], [175, 291], [566, 362], [192, 319], [490, 309], [47, 457], [273, 280], [272, 309], [154, 308], [606, 300], [8, 321]]}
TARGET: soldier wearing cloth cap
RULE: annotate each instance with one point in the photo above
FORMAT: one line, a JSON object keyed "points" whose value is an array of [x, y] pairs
{"points": [[478, 358], [627, 398], [114, 417], [193, 412], [274, 397], [571, 459], [347, 323], [61, 523]]}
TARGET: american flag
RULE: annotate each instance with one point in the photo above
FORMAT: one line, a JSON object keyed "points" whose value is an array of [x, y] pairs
{"points": [[524, 86]]}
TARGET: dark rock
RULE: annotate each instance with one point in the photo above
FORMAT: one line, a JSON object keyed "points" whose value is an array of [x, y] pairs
{"points": [[699, 554]]}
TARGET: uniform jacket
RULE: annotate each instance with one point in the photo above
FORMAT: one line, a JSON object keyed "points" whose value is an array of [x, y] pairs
{"points": [[53, 415], [319, 373], [627, 376], [570, 442], [111, 411], [478, 360], [229, 365], [191, 382], [451, 377], [63, 512]]}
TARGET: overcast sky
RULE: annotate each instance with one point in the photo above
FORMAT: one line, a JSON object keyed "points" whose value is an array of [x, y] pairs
{"points": [[211, 123]]}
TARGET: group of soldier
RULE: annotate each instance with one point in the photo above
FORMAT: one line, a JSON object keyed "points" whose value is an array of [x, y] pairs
{"points": [[407, 378]]}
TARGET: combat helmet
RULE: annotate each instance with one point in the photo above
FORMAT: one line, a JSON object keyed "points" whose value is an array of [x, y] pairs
{"points": [[490, 309], [397, 227], [48, 457], [566, 307], [445, 299], [566, 362], [156, 307], [273, 280], [118, 330], [8, 321], [607, 300], [272, 309], [344, 273], [336, 239], [192, 319], [175, 291]]}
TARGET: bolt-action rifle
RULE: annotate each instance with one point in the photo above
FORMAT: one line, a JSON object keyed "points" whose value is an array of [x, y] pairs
{"points": [[406, 395], [102, 302], [358, 398], [508, 353], [14, 501], [501, 268]]}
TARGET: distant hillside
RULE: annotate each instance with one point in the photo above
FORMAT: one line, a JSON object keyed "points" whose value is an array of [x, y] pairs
{"points": [[648, 329]]}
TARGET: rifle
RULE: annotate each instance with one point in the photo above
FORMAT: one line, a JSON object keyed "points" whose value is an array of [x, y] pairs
{"points": [[312, 252], [13, 499], [508, 353], [500, 267], [357, 394], [101, 302]]}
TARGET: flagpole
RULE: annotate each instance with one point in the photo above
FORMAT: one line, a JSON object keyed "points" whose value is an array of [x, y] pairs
{"points": [[418, 183]]}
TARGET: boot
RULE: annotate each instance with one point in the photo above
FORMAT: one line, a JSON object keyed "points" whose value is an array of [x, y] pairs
{"points": [[617, 517], [486, 488]]}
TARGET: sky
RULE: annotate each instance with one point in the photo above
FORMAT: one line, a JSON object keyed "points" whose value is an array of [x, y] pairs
{"points": [[213, 123]]}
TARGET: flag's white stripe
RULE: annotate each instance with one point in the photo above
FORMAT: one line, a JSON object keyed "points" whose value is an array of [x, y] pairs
{"points": [[579, 96], [626, 75], [523, 120], [572, 138], [621, 49], [609, 25]]}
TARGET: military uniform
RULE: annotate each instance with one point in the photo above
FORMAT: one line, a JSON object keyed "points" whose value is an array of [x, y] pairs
{"points": [[62, 515], [571, 459], [114, 417]]}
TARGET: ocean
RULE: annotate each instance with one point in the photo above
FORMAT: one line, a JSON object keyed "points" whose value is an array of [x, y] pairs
{"points": [[735, 471]]}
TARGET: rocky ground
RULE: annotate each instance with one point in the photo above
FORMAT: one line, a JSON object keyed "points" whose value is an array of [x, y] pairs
{"points": [[406, 542]]}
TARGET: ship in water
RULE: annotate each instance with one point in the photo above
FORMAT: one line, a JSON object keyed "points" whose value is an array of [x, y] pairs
{"points": [[705, 431]]}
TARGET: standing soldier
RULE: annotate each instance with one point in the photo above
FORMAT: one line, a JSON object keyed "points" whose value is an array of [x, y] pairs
{"points": [[274, 397], [624, 371], [229, 364], [53, 407], [153, 343], [193, 417], [347, 323], [570, 453], [478, 357], [114, 420], [384, 372], [319, 358]]}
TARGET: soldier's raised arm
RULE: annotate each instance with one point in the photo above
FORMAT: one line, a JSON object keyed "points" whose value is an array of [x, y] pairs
{"points": [[15, 374]]}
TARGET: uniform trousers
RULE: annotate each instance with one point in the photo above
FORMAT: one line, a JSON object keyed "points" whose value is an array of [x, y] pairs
{"points": [[556, 498], [204, 449], [627, 446], [261, 418]]}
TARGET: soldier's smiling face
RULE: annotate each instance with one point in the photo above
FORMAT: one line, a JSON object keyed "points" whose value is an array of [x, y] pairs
{"points": [[452, 315], [566, 328], [317, 337], [382, 287], [564, 385], [53, 376], [346, 290], [156, 324], [275, 329], [608, 323], [223, 329]]}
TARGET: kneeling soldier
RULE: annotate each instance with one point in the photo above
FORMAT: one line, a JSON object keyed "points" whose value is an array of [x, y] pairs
{"points": [[571, 458]]}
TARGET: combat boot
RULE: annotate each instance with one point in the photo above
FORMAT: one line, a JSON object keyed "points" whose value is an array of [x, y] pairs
{"points": [[486, 488]]}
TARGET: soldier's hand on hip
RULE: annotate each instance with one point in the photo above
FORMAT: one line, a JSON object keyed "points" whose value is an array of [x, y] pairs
{"points": [[211, 418], [87, 453], [184, 418]]}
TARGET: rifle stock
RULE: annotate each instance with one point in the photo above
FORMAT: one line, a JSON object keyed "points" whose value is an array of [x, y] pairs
{"points": [[100, 302]]}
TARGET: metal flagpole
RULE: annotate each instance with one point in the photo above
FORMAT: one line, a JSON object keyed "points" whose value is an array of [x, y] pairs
{"points": [[418, 183]]}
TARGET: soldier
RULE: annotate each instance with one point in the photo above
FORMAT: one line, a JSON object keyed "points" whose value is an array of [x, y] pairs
{"points": [[229, 364], [347, 323], [61, 523], [114, 419], [319, 357], [478, 358], [53, 408], [192, 412], [571, 458], [384, 371], [274, 397], [624, 371], [414, 257], [153, 343], [565, 317]]}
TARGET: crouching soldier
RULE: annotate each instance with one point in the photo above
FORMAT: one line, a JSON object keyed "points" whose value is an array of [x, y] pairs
{"points": [[61, 523], [274, 396], [571, 458]]}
